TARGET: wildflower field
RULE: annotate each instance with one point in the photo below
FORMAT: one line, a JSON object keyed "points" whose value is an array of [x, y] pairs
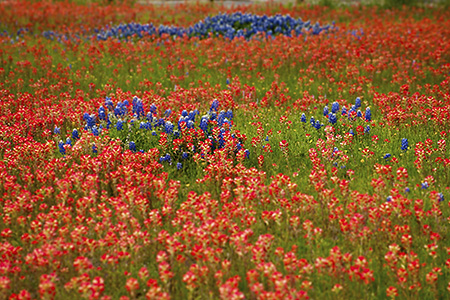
{"points": [[207, 152]]}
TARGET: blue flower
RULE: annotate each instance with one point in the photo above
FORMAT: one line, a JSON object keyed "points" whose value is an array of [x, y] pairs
{"points": [[75, 135], [247, 153], [358, 102], [317, 125], [359, 114], [424, 185], [368, 114], [367, 129], [168, 127], [344, 110], [389, 199], [185, 155], [204, 124], [325, 111], [387, 156], [441, 197], [144, 125], [303, 118], [62, 150], [94, 149], [404, 146], [407, 190], [57, 130], [153, 109], [332, 118], [132, 146], [95, 130], [214, 105], [179, 166], [119, 125], [68, 142], [335, 107], [351, 132], [101, 113]]}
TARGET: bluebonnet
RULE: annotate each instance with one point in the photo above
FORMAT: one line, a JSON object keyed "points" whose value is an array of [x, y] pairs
{"points": [[160, 122], [168, 127], [109, 104], [95, 130], [153, 108], [184, 113], [441, 197], [185, 155], [359, 114], [303, 118], [75, 134], [61, 147], [214, 105], [424, 185], [351, 132], [229, 26], [168, 158], [101, 113], [358, 102], [57, 130], [192, 115], [221, 118], [168, 112], [344, 110], [367, 129], [204, 124], [312, 121], [132, 146], [368, 114], [247, 153], [387, 155], [317, 125], [407, 190], [149, 117], [94, 149], [119, 125], [335, 107], [228, 81], [325, 111], [332, 118], [389, 199], [68, 142], [138, 107], [404, 146], [179, 166], [267, 138], [144, 125]]}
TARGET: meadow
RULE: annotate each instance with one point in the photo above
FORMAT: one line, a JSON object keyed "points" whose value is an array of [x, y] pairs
{"points": [[197, 151]]}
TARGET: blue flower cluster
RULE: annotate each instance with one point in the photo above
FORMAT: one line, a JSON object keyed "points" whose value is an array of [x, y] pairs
{"points": [[215, 126], [405, 144], [228, 25]]}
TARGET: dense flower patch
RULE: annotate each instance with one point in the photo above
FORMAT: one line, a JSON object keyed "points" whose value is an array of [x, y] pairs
{"points": [[289, 167], [230, 26]]}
